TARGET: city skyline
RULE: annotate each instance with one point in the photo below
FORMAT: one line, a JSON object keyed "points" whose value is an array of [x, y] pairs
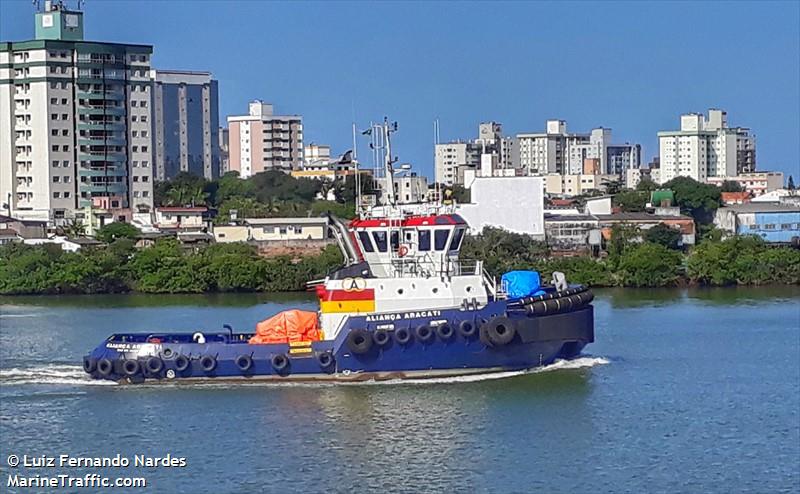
{"points": [[468, 65]]}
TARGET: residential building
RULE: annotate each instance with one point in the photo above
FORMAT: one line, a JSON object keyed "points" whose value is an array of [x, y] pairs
{"points": [[408, 189], [316, 156], [574, 185], [515, 204], [75, 121], [704, 148], [758, 183], [645, 221], [224, 165], [454, 155], [185, 124], [557, 151], [775, 223], [453, 159], [731, 198], [180, 218], [781, 196], [569, 232], [23, 228], [262, 141], [67, 244], [273, 230]]}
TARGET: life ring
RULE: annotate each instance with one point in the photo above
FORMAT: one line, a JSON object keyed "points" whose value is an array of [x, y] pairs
{"points": [[89, 364], [182, 363], [154, 365], [467, 329], [445, 332], [326, 361], [402, 251], [199, 337], [105, 367], [359, 341], [280, 363], [500, 331], [402, 336], [208, 363], [423, 333], [244, 362], [381, 337], [131, 367]]}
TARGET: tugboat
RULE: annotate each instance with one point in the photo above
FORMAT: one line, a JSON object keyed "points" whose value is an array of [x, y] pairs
{"points": [[403, 306]]}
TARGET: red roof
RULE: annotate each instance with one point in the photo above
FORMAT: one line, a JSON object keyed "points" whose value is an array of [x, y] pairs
{"points": [[736, 197], [562, 202], [176, 209], [443, 219]]}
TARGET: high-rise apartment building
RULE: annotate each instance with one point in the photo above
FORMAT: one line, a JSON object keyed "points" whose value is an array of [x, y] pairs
{"points": [[185, 124], [262, 141], [75, 121], [453, 158], [705, 148], [557, 151]]}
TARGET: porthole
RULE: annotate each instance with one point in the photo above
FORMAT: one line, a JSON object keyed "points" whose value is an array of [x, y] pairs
{"points": [[435, 290], [399, 291], [469, 289]]}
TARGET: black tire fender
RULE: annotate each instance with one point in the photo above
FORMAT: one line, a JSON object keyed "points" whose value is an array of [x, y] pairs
{"points": [[402, 336], [500, 331], [467, 329], [424, 333], [105, 367], [280, 363], [154, 365], [89, 364], [208, 363], [326, 361], [359, 341], [381, 337], [131, 367], [182, 363], [445, 332], [244, 362]]}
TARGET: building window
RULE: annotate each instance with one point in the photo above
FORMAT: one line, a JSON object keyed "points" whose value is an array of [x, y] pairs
{"points": [[56, 195], [55, 163], [769, 226], [66, 195], [146, 194]]}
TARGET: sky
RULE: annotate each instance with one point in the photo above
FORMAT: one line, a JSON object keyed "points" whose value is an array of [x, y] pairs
{"points": [[631, 66]]}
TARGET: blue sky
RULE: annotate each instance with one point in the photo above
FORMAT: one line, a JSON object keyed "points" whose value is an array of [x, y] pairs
{"points": [[631, 66]]}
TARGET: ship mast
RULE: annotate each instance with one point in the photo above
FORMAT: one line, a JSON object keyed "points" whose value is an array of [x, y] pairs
{"points": [[388, 170]]}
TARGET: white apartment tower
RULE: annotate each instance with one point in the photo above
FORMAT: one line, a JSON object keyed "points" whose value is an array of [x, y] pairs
{"points": [[705, 148], [262, 141], [75, 121], [453, 158]]}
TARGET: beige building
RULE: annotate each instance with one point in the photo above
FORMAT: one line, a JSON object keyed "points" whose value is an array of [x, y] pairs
{"points": [[573, 185], [758, 183], [705, 148], [272, 230], [262, 141]]}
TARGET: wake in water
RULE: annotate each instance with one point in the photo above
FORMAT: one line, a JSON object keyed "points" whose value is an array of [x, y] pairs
{"points": [[73, 375], [49, 374]]}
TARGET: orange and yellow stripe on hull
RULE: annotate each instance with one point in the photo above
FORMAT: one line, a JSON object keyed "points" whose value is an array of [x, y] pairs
{"points": [[337, 301]]}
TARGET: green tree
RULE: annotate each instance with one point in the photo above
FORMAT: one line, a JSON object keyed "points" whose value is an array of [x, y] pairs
{"points": [[245, 207], [117, 230], [631, 200], [665, 235], [649, 264], [504, 251], [230, 186], [731, 186], [696, 199], [613, 187], [646, 184], [623, 236]]}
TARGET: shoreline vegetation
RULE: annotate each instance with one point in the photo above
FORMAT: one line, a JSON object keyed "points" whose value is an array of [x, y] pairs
{"points": [[166, 267]]}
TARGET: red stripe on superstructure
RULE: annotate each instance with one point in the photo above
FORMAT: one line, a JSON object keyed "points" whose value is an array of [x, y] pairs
{"points": [[342, 295], [444, 219]]}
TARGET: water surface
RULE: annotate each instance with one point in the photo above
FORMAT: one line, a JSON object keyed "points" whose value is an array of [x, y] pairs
{"points": [[684, 391]]}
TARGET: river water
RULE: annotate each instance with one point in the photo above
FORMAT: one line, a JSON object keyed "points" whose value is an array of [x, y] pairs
{"points": [[683, 391]]}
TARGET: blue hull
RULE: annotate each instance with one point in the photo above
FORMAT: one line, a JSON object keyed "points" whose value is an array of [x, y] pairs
{"points": [[537, 340]]}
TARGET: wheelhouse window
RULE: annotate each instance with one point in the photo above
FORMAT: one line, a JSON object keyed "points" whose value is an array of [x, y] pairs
{"points": [[380, 240], [440, 239], [366, 243], [458, 236], [424, 240], [395, 240]]}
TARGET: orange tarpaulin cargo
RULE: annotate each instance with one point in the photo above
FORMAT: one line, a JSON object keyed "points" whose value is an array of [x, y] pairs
{"points": [[287, 326]]}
